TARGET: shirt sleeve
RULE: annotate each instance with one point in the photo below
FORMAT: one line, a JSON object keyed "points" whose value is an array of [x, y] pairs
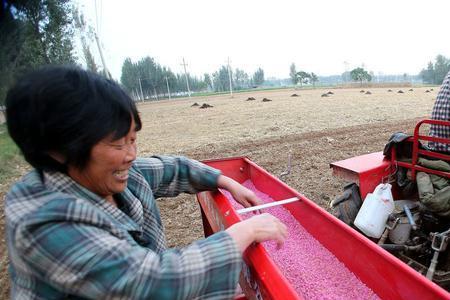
{"points": [[169, 176], [88, 261]]}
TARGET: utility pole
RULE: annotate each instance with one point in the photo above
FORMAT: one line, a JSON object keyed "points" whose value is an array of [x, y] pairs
{"points": [[168, 90], [187, 81], [140, 87], [229, 77], [107, 74]]}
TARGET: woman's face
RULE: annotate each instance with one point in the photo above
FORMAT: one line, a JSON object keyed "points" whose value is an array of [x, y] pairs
{"points": [[106, 172]]}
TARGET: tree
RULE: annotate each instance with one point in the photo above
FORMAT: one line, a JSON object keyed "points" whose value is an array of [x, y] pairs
{"points": [[427, 74], [33, 33], [85, 33], [435, 74], [49, 29], [313, 77], [258, 77], [441, 68], [221, 80], [303, 77], [208, 81], [241, 79], [359, 74], [130, 76], [293, 74], [11, 41]]}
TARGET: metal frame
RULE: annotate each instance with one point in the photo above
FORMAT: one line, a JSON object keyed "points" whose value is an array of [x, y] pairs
{"points": [[417, 152]]}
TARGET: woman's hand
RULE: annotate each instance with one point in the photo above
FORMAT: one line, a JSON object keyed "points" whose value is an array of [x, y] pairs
{"points": [[240, 193], [259, 228]]}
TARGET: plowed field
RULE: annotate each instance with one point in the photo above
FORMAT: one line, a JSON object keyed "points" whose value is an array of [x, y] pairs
{"points": [[316, 130]]}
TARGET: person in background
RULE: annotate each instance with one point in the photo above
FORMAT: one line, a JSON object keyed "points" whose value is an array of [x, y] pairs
{"points": [[441, 111], [84, 223]]}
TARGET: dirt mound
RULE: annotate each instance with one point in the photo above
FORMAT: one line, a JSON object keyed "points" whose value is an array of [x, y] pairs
{"points": [[294, 95], [390, 91], [362, 91], [250, 98], [330, 93], [427, 91], [195, 104], [266, 100], [400, 92], [368, 93], [206, 105]]}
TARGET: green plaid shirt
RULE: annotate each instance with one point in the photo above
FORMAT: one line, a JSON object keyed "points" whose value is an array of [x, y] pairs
{"points": [[66, 242]]}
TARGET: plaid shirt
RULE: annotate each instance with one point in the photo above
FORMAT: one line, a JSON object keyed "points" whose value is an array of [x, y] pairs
{"points": [[441, 111], [66, 242]]}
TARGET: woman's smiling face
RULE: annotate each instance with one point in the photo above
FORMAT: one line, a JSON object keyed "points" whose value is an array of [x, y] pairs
{"points": [[106, 172]]}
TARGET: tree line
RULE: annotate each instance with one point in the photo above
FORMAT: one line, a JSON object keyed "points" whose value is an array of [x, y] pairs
{"points": [[433, 74], [147, 79], [302, 77]]}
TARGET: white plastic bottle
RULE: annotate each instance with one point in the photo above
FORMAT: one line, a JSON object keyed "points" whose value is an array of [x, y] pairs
{"points": [[375, 210]]}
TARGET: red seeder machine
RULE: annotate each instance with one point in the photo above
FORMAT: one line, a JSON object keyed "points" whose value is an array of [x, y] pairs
{"points": [[330, 258]]}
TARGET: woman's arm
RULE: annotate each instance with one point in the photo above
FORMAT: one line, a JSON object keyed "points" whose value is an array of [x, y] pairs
{"points": [[169, 176], [86, 261]]}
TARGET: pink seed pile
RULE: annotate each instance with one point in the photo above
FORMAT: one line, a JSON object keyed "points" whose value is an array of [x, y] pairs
{"points": [[312, 270]]}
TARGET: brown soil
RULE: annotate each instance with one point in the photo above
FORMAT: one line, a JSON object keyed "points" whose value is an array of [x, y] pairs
{"points": [[316, 131]]}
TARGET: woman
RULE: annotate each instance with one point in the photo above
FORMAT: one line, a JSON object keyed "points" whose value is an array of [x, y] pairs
{"points": [[84, 222], [441, 111]]}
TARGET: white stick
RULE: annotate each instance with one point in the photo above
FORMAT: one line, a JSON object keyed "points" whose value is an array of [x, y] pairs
{"points": [[266, 205]]}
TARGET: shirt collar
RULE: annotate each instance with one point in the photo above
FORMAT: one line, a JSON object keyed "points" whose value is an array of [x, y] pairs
{"points": [[61, 182]]}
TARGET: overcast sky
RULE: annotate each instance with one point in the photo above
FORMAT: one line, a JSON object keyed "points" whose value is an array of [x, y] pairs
{"points": [[321, 36]]}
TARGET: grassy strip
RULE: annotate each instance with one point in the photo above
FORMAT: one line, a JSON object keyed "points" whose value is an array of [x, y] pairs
{"points": [[10, 157]]}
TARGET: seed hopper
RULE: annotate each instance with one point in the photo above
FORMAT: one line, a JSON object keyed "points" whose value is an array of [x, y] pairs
{"points": [[386, 276]]}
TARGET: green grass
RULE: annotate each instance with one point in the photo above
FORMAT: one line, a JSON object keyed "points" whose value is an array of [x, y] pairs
{"points": [[10, 156]]}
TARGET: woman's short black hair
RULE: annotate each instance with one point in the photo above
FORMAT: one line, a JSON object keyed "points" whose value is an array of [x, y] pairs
{"points": [[66, 110]]}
